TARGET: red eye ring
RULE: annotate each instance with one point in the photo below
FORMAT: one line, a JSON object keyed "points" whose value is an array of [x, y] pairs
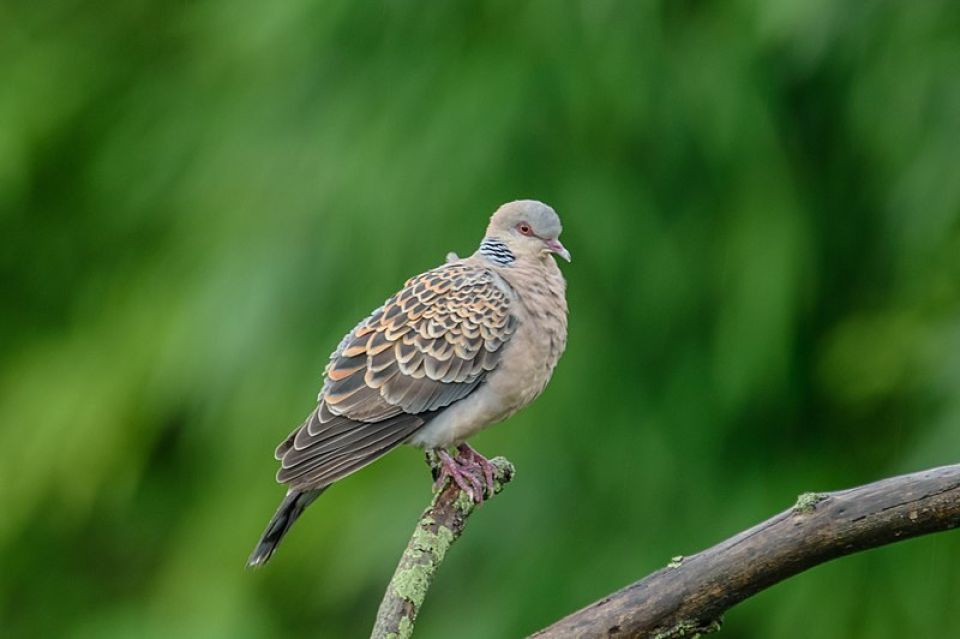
{"points": [[524, 228]]}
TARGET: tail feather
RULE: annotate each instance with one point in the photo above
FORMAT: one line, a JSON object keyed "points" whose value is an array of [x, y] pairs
{"points": [[290, 508]]}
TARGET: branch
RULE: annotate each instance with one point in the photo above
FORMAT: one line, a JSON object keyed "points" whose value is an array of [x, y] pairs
{"points": [[440, 525], [690, 595]]}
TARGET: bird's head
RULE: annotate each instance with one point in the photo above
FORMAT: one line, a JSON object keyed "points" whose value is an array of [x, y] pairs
{"points": [[529, 229]]}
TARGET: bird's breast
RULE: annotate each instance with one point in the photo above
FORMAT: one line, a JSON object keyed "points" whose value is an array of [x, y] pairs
{"points": [[526, 365]]}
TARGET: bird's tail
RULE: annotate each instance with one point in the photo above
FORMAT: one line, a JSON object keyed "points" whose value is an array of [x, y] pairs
{"points": [[290, 508]]}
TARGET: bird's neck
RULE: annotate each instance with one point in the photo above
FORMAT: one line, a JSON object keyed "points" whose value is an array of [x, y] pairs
{"points": [[496, 251]]}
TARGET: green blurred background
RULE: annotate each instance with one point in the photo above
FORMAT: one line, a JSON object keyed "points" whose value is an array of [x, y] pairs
{"points": [[197, 199]]}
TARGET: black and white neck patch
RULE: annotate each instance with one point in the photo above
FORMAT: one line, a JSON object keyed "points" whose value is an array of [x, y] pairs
{"points": [[496, 251]]}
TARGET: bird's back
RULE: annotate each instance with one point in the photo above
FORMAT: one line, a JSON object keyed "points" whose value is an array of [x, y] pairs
{"points": [[429, 346]]}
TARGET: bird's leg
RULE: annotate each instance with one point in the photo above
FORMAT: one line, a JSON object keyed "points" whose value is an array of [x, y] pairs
{"points": [[470, 457], [458, 472]]}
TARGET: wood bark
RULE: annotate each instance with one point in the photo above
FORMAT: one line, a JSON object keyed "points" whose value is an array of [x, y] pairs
{"points": [[439, 526], [690, 595]]}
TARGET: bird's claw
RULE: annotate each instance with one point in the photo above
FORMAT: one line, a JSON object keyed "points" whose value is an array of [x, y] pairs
{"points": [[471, 456], [466, 470]]}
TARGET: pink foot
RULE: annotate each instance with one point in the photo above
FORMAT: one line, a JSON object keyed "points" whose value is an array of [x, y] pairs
{"points": [[469, 470], [470, 456], [460, 473]]}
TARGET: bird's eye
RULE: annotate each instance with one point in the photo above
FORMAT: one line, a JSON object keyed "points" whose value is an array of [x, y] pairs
{"points": [[525, 228]]}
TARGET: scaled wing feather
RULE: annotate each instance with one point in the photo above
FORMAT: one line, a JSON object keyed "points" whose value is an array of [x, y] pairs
{"points": [[428, 346]]}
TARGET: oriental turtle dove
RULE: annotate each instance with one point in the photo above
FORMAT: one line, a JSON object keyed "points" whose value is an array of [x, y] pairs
{"points": [[458, 348]]}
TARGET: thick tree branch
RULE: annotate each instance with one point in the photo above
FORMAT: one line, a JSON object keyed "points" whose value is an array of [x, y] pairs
{"points": [[690, 595], [440, 525]]}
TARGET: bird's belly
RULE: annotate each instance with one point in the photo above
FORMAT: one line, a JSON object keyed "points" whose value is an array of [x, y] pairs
{"points": [[500, 397], [459, 421]]}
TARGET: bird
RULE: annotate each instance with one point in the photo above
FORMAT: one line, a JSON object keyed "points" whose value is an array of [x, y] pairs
{"points": [[460, 347]]}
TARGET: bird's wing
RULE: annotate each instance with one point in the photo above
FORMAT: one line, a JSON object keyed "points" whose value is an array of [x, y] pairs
{"points": [[428, 346]]}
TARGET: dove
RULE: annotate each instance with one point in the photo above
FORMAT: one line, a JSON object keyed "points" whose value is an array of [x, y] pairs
{"points": [[459, 348]]}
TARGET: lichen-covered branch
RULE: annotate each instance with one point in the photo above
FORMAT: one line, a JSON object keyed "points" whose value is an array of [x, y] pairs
{"points": [[689, 595], [440, 525]]}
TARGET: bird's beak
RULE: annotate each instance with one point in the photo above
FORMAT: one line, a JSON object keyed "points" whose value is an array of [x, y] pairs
{"points": [[554, 246]]}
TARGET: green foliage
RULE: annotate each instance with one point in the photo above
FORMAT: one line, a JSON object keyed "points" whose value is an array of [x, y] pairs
{"points": [[197, 199]]}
